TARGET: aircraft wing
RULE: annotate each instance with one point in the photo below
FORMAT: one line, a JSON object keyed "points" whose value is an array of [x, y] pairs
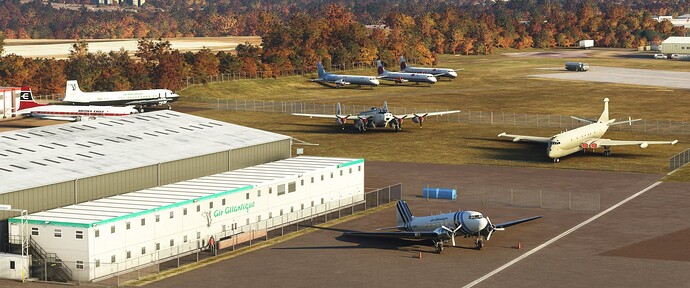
{"points": [[399, 235], [349, 117], [58, 118], [428, 114], [515, 222], [590, 121], [395, 79], [642, 144], [518, 138]]}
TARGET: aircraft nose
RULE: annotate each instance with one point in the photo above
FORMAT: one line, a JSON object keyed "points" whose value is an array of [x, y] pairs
{"points": [[432, 79], [453, 74], [375, 82], [482, 224]]}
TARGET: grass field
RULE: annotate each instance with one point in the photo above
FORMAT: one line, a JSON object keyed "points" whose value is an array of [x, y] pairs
{"points": [[496, 83]]}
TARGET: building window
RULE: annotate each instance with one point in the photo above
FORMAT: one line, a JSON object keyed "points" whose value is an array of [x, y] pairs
{"points": [[112, 259], [270, 190], [270, 215], [97, 233], [312, 203], [341, 172], [350, 170], [247, 221], [158, 246], [292, 187], [172, 242], [210, 205], [301, 182], [143, 221], [172, 214], [224, 227], [58, 233], [34, 231], [258, 193], [321, 177], [322, 201], [185, 239], [112, 229], [281, 189], [143, 250], [184, 211], [129, 254], [312, 179], [331, 175], [258, 218], [158, 218], [359, 168], [247, 196], [12, 267], [80, 234], [98, 263], [292, 209], [127, 225], [198, 235], [302, 206], [198, 208], [281, 212], [223, 202], [80, 265]]}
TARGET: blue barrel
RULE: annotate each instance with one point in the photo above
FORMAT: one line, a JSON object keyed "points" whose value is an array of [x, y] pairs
{"points": [[439, 193]]}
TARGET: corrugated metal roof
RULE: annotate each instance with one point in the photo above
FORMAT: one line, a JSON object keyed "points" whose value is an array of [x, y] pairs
{"points": [[41, 156], [676, 40], [133, 204]]}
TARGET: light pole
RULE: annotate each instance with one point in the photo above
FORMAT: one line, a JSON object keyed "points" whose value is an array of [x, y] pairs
{"points": [[23, 231]]}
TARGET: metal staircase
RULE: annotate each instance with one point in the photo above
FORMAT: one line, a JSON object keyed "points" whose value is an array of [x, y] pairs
{"points": [[47, 266]]}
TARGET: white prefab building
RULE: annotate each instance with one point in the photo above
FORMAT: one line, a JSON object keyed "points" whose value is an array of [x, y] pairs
{"points": [[9, 101], [100, 238], [676, 45]]}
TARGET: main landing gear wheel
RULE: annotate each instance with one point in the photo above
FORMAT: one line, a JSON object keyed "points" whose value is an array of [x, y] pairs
{"points": [[439, 247], [607, 151], [479, 244], [556, 160]]}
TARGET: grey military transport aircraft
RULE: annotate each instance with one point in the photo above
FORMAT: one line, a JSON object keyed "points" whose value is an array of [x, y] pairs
{"points": [[442, 228], [376, 117], [342, 80]]}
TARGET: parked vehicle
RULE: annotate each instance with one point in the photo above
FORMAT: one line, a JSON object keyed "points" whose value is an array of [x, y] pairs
{"points": [[576, 66], [674, 56], [659, 56], [586, 44]]}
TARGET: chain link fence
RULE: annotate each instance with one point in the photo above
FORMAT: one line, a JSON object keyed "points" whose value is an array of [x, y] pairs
{"points": [[530, 198], [662, 127], [678, 160], [134, 268]]}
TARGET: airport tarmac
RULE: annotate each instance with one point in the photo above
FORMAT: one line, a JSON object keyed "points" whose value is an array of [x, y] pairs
{"points": [[647, 77], [639, 244]]}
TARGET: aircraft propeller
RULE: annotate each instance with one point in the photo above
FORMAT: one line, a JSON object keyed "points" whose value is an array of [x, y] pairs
{"points": [[419, 119], [489, 229], [342, 120]]}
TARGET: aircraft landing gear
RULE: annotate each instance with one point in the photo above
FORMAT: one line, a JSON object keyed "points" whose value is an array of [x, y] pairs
{"points": [[607, 150], [556, 160], [439, 246], [479, 244]]}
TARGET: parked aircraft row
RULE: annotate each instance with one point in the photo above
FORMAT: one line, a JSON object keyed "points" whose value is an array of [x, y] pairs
{"points": [[79, 106], [406, 74]]}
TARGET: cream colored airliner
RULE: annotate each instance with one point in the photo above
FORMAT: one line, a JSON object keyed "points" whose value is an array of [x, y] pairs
{"points": [[588, 136]]}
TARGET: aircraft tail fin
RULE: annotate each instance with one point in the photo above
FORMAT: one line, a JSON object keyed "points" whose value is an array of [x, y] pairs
{"points": [[322, 72], [72, 90], [26, 99], [404, 215], [379, 67], [337, 109], [403, 65], [385, 106], [605, 115]]}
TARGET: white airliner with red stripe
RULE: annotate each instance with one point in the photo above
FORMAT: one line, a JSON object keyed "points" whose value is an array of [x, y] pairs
{"points": [[29, 107], [588, 136], [442, 228]]}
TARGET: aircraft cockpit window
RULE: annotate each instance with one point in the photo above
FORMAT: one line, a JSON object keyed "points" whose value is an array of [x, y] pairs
{"points": [[476, 216]]}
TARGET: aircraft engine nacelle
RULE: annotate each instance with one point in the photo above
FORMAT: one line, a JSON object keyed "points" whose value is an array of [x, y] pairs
{"points": [[419, 119], [589, 144], [644, 145]]}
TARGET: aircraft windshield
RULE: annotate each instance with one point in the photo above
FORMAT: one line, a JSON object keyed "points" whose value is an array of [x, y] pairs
{"points": [[476, 216]]}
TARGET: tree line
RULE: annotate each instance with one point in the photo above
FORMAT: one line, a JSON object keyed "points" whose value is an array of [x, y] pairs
{"points": [[297, 35]]}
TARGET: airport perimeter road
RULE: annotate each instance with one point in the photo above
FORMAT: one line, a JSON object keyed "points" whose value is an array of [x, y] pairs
{"points": [[631, 246], [660, 78]]}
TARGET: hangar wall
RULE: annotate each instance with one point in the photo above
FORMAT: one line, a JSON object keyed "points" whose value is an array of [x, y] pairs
{"points": [[101, 186]]}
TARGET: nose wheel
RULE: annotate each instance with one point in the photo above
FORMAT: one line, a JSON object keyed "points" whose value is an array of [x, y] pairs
{"points": [[439, 246], [479, 244]]}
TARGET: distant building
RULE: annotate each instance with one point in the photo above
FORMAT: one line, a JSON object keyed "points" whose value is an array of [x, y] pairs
{"points": [[676, 45]]}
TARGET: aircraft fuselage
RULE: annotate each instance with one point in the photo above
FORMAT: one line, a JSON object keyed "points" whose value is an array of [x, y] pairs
{"points": [[569, 142], [470, 223], [352, 79]]}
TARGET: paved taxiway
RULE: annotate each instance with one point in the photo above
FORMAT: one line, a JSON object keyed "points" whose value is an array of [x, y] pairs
{"points": [[660, 78], [602, 253]]}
